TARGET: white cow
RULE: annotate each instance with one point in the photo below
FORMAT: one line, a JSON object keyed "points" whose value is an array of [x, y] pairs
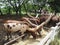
{"points": [[13, 27]]}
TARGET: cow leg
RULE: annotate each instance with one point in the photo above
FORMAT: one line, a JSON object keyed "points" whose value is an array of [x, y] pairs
{"points": [[27, 34], [34, 35], [39, 31], [9, 35]]}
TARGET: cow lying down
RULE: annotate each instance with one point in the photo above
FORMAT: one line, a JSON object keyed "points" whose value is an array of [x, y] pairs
{"points": [[15, 27], [20, 28]]}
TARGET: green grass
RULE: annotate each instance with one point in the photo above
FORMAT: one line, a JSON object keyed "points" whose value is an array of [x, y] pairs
{"points": [[56, 40]]}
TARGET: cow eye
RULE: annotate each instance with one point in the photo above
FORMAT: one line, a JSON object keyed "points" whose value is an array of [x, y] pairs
{"points": [[13, 25], [8, 26]]}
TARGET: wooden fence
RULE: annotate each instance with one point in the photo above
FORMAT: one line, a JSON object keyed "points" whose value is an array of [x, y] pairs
{"points": [[50, 36]]}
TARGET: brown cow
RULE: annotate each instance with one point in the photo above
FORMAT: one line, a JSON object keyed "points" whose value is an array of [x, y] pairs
{"points": [[55, 19]]}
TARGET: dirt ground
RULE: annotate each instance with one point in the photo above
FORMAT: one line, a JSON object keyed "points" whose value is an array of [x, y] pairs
{"points": [[30, 40]]}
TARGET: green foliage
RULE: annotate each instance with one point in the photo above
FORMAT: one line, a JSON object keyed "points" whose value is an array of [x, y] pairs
{"points": [[55, 5], [18, 6], [56, 41]]}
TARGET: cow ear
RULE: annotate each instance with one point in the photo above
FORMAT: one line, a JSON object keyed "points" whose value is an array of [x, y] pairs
{"points": [[4, 24]]}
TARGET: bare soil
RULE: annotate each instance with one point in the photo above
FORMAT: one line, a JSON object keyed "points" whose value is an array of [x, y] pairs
{"points": [[28, 41]]}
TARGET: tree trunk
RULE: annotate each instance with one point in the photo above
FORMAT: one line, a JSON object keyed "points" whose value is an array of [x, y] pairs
{"points": [[25, 7], [55, 13], [9, 10], [20, 10], [0, 12], [16, 12]]}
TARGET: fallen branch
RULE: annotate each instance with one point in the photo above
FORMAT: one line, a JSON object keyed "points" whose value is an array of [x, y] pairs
{"points": [[33, 18], [30, 16], [13, 40], [30, 22], [39, 26], [37, 16]]}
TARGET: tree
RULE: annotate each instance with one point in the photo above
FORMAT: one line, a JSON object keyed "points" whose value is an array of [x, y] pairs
{"points": [[16, 4], [0, 8], [55, 5], [40, 3]]}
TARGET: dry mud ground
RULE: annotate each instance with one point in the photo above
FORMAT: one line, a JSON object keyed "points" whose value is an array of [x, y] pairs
{"points": [[31, 41]]}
